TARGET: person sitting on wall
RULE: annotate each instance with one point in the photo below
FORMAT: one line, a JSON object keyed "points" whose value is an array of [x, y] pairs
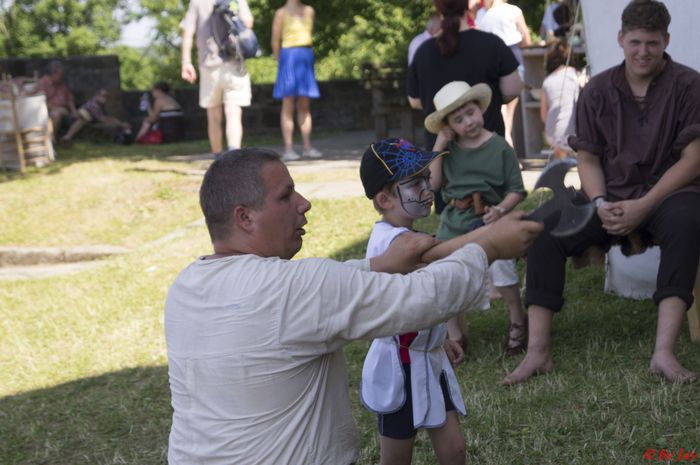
{"points": [[165, 122], [93, 111], [59, 99]]}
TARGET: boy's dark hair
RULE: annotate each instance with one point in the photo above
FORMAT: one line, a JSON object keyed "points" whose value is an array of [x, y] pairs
{"points": [[562, 15], [162, 86], [650, 15], [233, 179]]}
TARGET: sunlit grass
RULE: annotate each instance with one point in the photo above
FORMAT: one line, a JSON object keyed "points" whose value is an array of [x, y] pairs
{"points": [[83, 361]]}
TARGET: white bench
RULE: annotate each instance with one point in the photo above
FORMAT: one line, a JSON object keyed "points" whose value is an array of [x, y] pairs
{"points": [[635, 277]]}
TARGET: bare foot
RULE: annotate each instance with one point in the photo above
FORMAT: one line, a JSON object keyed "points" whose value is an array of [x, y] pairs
{"points": [[668, 366], [534, 363]]}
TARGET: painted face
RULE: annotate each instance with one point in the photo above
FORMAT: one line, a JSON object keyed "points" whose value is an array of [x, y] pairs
{"points": [[644, 51], [279, 224], [415, 195], [467, 121]]}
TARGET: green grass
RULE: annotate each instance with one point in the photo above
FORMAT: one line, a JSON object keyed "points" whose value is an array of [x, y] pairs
{"points": [[83, 362]]}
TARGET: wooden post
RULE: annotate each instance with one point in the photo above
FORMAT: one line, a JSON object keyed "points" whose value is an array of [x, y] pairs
{"points": [[694, 312], [15, 121]]}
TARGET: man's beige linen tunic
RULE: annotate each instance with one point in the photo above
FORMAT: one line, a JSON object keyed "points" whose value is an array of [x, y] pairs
{"points": [[256, 366]]}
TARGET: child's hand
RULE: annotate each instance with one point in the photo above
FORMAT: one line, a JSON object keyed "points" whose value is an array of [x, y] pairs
{"points": [[454, 352], [492, 214], [445, 135]]}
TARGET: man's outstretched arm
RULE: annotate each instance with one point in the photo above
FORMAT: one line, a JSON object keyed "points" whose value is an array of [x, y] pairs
{"points": [[509, 237]]}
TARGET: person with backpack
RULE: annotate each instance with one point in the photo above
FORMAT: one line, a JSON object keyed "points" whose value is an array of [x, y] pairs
{"points": [[224, 86], [296, 83]]}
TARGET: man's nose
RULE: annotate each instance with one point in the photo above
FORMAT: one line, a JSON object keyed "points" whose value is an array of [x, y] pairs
{"points": [[304, 205]]}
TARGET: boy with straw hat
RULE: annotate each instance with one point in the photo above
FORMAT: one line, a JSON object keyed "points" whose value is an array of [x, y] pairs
{"points": [[481, 182]]}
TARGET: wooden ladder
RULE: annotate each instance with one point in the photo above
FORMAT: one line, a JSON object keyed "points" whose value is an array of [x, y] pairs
{"points": [[10, 141]]}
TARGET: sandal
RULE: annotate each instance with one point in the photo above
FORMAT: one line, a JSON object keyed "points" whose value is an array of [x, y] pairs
{"points": [[516, 345]]}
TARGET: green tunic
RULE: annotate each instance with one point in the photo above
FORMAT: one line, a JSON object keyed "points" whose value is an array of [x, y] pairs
{"points": [[491, 169]]}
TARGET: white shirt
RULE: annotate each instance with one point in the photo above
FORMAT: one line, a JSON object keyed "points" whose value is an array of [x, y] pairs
{"points": [[257, 372], [382, 389], [416, 42], [561, 89], [501, 20]]}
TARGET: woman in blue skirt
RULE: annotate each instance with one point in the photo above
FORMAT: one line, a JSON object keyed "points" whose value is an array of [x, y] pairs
{"points": [[296, 82]]}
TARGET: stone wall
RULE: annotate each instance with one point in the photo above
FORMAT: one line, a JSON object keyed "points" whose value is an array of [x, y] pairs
{"points": [[344, 105], [85, 75]]}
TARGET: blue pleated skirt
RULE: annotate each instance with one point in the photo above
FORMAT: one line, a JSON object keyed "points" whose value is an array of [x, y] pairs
{"points": [[295, 74]]}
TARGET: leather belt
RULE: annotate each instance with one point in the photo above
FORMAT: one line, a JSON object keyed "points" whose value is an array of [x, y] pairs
{"points": [[472, 200]]}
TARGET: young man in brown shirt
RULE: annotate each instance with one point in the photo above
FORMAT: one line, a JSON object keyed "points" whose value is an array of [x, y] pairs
{"points": [[638, 147]]}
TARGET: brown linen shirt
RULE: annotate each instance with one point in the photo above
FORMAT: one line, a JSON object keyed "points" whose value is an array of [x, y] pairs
{"points": [[638, 142]]}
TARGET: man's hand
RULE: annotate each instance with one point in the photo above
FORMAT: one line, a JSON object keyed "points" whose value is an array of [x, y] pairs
{"points": [[621, 218], [404, 253], [454, 351], [509, 237], [188, 73]]}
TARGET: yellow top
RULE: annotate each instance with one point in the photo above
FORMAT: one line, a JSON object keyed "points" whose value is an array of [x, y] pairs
{"points": [[296, 31]]}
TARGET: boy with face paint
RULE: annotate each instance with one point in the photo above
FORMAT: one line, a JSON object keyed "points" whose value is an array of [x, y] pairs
{"points": [[408, 380], [481, 181]]}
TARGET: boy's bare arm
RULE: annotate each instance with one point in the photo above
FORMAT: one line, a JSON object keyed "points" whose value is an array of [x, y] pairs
{"points": [[404, 254], [443, 138], [435, 168], [510, 201]]}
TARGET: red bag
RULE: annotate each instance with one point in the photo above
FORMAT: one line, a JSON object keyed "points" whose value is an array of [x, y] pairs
{"points": [[153, 136]]}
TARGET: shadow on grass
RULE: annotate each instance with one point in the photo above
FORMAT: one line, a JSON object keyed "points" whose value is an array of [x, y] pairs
{"points": [[121, 417], [86, 151], [82, 151]]}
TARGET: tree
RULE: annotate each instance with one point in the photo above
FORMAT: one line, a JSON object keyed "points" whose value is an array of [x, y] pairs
{"points": [[33, 28], [348, 33]]}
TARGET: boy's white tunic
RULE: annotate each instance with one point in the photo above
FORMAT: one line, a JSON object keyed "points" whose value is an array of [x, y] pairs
{"points": [[382, 389]]}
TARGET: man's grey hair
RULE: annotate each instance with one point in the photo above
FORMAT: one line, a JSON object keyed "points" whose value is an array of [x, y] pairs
{"points": [[53, 66], [233, 179]]}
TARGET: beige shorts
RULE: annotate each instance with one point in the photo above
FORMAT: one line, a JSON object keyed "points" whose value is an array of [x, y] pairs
{"points": [[224, 85], [85, 115]]}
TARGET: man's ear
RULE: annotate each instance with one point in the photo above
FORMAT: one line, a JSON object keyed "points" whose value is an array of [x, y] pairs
{"points": [[242, 218]]}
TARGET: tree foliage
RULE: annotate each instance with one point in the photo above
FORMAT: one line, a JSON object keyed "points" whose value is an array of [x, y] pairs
{"points": [[33, 28], [348, 33]]}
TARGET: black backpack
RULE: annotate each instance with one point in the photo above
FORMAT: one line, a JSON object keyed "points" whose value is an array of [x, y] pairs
{"points": [[233, 38]]}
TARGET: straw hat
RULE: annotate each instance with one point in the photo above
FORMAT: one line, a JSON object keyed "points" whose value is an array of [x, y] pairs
{"points": [[451, 97]]}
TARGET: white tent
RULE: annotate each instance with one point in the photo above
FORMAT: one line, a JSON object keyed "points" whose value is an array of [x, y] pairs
{"points": [[602, 22]]}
